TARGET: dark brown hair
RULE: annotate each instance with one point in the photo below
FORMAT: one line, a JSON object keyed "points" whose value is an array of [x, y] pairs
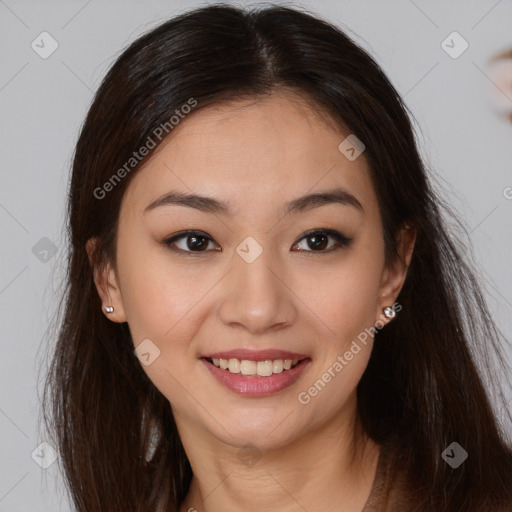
{"points": [[422, 389]]}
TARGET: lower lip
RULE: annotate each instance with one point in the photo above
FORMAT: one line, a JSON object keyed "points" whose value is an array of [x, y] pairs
{"points": [[250, 385]]}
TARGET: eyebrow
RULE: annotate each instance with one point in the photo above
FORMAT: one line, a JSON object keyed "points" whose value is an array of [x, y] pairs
{"points": [[298, 205]]}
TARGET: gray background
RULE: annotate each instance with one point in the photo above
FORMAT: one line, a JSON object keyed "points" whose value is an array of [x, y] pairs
{"points": [[43, 103]]}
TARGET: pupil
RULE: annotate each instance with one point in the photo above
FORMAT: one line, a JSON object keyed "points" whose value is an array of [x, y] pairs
{"points": [[195, 245], [317, 243]]}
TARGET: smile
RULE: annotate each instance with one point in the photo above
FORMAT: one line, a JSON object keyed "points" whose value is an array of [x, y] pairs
{"points": [[258, 376]]}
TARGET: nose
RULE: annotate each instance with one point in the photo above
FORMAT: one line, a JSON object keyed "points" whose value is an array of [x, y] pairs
{"points": [[256, 296]]}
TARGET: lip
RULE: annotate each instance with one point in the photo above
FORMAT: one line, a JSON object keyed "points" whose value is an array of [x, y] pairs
{"points": [[255, 386], [256, 355]]}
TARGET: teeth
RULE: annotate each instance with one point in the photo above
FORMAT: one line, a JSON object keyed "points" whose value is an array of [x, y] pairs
{"points": [[278, 366], [264, 368], [234, 365], [248, 367], [260, 368]]}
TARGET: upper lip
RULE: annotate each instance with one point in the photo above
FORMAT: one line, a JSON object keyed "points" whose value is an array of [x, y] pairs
{"points": [[256, 355]]}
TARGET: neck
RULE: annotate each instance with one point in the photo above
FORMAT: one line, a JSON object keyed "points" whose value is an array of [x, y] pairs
{"points": [[332, 467]]}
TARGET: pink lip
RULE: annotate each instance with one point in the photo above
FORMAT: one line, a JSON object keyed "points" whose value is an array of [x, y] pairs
{"points": [[254, 385], [256, 355]]}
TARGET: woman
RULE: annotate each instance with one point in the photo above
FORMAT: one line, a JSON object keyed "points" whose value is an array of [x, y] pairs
{"points": [[265, 307]]}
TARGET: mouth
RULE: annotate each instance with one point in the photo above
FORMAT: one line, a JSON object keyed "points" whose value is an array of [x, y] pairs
{"points": [[256, 374]]}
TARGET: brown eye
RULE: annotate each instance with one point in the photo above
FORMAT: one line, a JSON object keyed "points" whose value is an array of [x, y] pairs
{"points": [[189, 241], [318, 240], [196, 242]]}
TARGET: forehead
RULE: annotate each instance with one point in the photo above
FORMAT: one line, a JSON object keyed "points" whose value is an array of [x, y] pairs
{"points": [[252, 152]]}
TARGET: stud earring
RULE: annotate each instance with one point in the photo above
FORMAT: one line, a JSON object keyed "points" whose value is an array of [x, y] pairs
{"points": [[109, 309], [389, 312]]}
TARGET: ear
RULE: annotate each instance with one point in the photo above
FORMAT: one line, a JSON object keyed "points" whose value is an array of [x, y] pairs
{"points": [[393, 277], [106, 284]]}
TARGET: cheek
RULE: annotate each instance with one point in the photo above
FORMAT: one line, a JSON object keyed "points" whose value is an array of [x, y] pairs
{"points": [[344, 297], [347, 308], [330, 391], [161, 305], [157, 294]]}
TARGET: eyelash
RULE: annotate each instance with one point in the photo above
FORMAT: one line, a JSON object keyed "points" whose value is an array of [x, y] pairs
{"points": [[342, 241]]}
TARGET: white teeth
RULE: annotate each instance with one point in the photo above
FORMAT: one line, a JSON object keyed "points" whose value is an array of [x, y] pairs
{"points": [[278, 366], [261, 368], [264, 368], [234, 365], [248, 367]]}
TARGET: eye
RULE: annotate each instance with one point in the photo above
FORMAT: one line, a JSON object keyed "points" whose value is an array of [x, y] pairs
{"points": [[189, 242], [197, 241], [318, 239]]}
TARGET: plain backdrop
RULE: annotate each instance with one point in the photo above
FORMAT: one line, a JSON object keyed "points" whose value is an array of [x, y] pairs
{"points": [[43, 102]]}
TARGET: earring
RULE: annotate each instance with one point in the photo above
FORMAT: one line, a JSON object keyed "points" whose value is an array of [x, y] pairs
{"points": [[389, 312], [109, 309]]}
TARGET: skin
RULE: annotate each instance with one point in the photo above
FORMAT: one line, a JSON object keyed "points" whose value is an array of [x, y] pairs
{"points": [[256, 155]]}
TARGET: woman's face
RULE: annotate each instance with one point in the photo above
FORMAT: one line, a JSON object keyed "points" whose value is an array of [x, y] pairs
{"points": [[253, 279]]}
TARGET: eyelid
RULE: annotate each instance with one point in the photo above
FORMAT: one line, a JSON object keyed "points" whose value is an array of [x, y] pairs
{"points": [[342, 240]]}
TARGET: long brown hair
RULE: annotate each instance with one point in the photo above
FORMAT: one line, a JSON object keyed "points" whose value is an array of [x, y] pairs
{"points": [[422, 389]]}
